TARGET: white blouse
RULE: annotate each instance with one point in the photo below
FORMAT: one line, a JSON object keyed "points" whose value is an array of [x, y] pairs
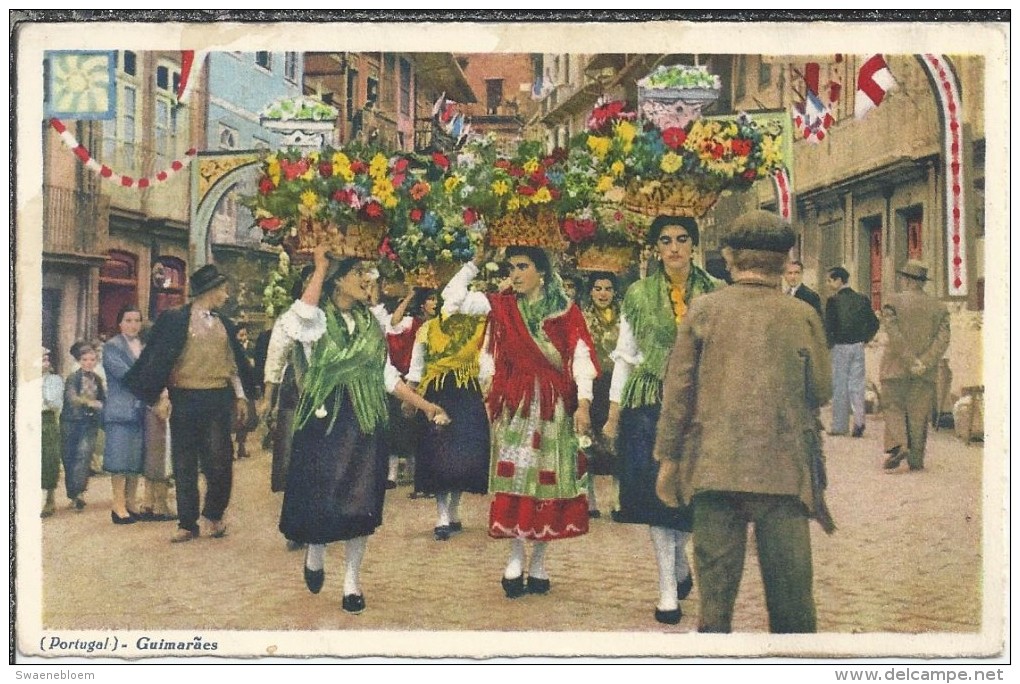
{"points": [[625, 357], [305, 324], [458, 298]]}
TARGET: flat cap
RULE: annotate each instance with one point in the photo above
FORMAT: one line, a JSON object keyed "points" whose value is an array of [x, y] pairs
{"points": [[760, 230]]}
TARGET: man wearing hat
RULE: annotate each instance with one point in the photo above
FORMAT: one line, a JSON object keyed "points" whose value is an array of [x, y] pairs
{"points": [[194, 352], [918, 329], [733, 453]]}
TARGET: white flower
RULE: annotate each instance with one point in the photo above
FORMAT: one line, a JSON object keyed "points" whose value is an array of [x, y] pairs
{"points": [[491, 266], [320, 412]]}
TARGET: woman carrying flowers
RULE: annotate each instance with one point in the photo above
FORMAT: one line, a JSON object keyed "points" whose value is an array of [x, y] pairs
{"points": [[539, 403], [336, 483], [446, 369], [652, 309]]}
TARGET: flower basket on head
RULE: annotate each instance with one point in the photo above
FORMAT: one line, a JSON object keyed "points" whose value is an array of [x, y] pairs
{"points": [[360, 239], [433, 275], [677, 196], [540, 229], [612, 258]]}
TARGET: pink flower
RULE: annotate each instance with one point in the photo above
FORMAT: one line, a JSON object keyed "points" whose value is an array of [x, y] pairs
{"points": [[470, 216], [400, 166]]}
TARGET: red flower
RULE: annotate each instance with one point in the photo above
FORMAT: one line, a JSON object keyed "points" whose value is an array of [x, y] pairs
{"points": [[674, 137], [750, 175], [400, 166], [538, 177], [515, 171], [470, 216], [618, 216], [555, 193], [579, 230], [358, 166], [265, 185], [342, 196], [373, 210], [399, 179], [292, 171], [525, 190], [502, 164], [559, 154], [741, 147], [718, 150], [325, 169], [548, 161], [417, 215], [440, 160], [271, 224]]}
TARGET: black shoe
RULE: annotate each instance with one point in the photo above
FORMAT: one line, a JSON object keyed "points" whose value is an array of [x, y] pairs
{"points": [[915, 468], [161, 517], [79, 504], [126, 520], [456, 526], [858, 431], [390, 484], [314, 580], [538, 586], [353, 603], [594, 513], [830, 433], [615, 515], [441, 533], [514, 588], [896, 457], [668, 617], [683, 589]]}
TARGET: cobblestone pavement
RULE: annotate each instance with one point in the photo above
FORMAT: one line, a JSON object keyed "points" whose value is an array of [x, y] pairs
{"points": [[907, 558]]}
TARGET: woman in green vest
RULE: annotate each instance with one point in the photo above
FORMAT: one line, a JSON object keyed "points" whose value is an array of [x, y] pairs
{"points": [[652, 309]]}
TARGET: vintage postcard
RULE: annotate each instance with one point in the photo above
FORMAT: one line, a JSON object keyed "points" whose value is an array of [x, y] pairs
{"points": [[161, 164]]}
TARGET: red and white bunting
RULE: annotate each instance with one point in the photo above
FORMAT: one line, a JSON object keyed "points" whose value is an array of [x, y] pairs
{"points": [[781, 181], [104, 171], [191, 64], [947, 94]]}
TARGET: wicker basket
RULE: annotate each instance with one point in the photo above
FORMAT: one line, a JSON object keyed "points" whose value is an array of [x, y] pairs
{"points": [[671, 197], [612, 258], [360, 239], [526, 230], [433, 275]]}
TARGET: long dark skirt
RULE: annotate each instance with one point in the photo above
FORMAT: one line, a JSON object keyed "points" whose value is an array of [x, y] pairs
{"points": [[336, 482], [50, 450], [638, 470], [400, 434], [601, 460], [455, 457], [283, 431]]}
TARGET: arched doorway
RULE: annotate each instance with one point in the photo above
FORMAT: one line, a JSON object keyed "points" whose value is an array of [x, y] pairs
{"points": [[118, 287]]}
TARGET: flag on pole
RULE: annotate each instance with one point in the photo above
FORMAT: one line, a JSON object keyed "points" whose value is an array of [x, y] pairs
{"points": [[191, 64], [874, 80]]}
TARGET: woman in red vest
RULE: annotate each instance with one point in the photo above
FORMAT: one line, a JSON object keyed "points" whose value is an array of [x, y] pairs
{"points": [[538, 404]]}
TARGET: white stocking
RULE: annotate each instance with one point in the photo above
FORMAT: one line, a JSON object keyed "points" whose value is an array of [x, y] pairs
{"points": [[664, 542], [515, 565], [455, 506], [354, 553], [394, 467], [537, 567], [315, 556], [443, 509], [592, 503], [683, 568]]}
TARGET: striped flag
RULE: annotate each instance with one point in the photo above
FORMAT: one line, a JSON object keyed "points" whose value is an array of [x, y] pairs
{"points": [[191, 64], [874, 80]]}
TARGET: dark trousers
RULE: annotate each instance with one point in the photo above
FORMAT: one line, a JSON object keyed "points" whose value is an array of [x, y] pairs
{"points": [[200, 436], [784, 554]]}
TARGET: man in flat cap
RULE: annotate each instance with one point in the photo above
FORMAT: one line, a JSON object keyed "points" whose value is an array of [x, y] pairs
{"points": [[918, 329], [194, 352], [729, 449]]}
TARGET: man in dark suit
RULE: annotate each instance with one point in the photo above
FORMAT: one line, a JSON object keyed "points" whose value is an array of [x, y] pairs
{"points": [[194, 352], [793, 285]]}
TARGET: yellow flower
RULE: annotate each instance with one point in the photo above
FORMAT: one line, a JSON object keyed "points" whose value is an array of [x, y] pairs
{"points": [[273, 167], [513, 204], [309, 174], [313, 157], [530, 166], [382, 187], [617, 168], [625, 131], [671, 162], [500, 187], [275, 177], [451, 183], [541, 196], [390, 201], [599, 146], [604, 184], [771, 151], [447, 238], [446, 254], [309, 199], [377, 167]]}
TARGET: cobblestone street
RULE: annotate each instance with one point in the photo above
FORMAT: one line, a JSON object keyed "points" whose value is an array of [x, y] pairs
{"points": [[907, 558]]}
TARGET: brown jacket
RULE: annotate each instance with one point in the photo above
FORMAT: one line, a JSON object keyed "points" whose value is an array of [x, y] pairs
{"points": [[918, 329], [739, 409]]}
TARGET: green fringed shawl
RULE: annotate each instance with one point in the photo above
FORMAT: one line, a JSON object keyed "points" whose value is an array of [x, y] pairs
{"points": [[352, 362], [649, 311]]}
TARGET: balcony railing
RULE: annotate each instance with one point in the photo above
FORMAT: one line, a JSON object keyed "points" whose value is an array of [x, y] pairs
{"points": [[72, 221]]}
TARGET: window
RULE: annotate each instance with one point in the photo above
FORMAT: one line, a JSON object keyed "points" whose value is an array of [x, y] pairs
{"points": [[290, 63], [177, 81], [162, 78], [228, 138], [764, 73], [915, 249], [120, 134], [372, 90], [264, 60], [493, 95], [405, 87], [128, 65], [165, 132]]}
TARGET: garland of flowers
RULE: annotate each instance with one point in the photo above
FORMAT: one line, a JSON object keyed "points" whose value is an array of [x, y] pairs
{"points": [[104, 171]]}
